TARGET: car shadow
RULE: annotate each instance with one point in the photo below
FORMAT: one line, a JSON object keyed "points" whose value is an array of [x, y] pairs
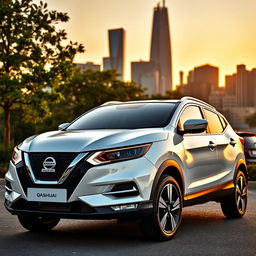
{"points": [[79, 232]]}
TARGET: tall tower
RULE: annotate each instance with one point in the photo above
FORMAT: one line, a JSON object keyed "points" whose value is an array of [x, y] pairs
{"points": [[115, 60], [160, 52]]}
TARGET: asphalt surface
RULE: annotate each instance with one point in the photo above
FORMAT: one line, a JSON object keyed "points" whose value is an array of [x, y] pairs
{"points": [[204, 231]]}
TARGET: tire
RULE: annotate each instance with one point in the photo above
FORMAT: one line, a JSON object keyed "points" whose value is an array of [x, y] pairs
{"points": [[234, 206], [36, 223], [166, 217]]}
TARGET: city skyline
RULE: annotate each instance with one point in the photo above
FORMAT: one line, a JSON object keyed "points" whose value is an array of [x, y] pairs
{"points": [[211, 31]]}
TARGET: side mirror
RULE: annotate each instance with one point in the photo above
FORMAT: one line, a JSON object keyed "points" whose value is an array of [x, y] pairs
{"points": [[195, 126], [63, 126]]}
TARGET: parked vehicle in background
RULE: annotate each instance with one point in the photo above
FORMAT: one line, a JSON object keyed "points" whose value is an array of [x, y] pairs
{"points": [[249, 146]]}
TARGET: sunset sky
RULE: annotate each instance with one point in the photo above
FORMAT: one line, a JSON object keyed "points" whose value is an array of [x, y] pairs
{"points": [[218, 32]]}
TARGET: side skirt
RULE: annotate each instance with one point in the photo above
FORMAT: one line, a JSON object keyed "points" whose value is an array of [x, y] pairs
{"points": [[211, 194]]}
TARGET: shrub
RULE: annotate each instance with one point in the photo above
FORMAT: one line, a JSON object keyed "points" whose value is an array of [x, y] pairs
{"points": [[5, 156], [252, 171]]}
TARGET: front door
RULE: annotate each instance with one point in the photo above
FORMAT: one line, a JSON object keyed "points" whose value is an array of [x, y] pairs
{"points": [[200, 160]]}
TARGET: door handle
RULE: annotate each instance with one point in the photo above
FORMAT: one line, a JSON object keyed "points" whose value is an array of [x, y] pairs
{"points": [[232, 142], [212, 145]]}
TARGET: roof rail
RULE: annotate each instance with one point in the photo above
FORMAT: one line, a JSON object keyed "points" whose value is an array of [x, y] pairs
{"points": [[111, 103], [197, 100]]}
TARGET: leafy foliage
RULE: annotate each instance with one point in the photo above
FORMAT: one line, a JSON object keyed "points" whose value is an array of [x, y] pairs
{"points": [[252, 172], [87, 90], [34, 61]]}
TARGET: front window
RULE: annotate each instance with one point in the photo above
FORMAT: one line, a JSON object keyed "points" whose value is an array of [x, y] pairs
{"points": [[126, 116], [214, 122]]}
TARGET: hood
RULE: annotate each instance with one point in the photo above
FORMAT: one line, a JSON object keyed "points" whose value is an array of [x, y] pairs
{"points": [[90, 140]]}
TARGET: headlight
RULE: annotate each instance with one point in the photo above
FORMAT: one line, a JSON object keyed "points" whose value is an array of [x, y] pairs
{"points": [[16, 155], [121, 154]]}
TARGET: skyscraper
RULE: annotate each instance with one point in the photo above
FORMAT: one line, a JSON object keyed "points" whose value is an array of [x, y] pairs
{"points": [[115, 60], [160, 52]]}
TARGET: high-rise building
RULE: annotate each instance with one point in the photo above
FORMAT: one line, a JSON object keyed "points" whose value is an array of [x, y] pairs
{"points": [[106, 63], [230, 84], [201, 82], [181, 73], [146, 74], [87, 66], [252, 88], [242, 86], [207, 74], [116, 38], [160, 52]]}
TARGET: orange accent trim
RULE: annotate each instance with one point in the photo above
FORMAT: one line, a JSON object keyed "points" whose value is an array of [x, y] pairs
{"points": [[240, 161], [223, 186]]}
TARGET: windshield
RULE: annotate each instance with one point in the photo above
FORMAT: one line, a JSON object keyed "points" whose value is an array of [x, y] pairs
{"points": [[125, 116]]}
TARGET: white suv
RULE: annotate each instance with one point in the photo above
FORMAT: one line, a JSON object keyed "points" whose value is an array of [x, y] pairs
{"points": [[143, 159]]}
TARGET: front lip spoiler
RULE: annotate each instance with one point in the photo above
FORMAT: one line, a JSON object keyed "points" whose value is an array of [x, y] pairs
{"points": [[101, 213]]}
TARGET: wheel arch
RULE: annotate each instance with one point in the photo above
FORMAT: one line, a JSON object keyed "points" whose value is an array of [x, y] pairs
{"points": [[241, 166], [172, 168]]}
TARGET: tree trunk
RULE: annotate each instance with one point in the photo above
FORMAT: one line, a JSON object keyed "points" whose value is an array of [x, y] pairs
{"points": [[7, 127]]}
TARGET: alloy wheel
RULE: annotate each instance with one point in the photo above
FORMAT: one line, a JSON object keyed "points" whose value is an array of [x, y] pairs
{"points": [[169, 208], [241, 194]]}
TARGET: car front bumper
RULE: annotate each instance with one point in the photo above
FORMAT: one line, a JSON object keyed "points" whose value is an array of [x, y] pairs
{"points": [[90, 189]]}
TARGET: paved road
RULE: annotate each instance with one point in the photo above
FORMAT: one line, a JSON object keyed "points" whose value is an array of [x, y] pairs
{"points": [[204, 231]]}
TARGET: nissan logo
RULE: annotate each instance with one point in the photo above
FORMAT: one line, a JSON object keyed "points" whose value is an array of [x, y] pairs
{"points": [[49, 164]]}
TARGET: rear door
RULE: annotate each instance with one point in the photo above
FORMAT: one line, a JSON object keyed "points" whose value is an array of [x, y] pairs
{"points": [[226, 146]]}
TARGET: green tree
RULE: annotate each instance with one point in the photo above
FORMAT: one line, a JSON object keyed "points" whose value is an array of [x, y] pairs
{"points": [[35, 59], [87, 90]]}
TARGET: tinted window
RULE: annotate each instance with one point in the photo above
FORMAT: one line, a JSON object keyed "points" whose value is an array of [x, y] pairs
{"points": [[125, 116], [191, 112], [214, 123], [223, 122]]}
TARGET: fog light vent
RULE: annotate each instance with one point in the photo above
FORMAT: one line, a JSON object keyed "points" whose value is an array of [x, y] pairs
{"points": [[123, 190], [124, 207]]}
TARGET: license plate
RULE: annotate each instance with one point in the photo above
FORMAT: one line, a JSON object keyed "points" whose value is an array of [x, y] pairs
{"points": [[47, 195], [254, 152]]}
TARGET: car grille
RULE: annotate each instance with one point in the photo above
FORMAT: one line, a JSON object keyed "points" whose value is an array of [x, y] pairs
{"points": [[70, 183], [63, 160]]}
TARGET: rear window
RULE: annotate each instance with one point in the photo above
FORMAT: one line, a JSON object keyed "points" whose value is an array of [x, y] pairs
{"points": [[125, 116], [224, 123]]}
